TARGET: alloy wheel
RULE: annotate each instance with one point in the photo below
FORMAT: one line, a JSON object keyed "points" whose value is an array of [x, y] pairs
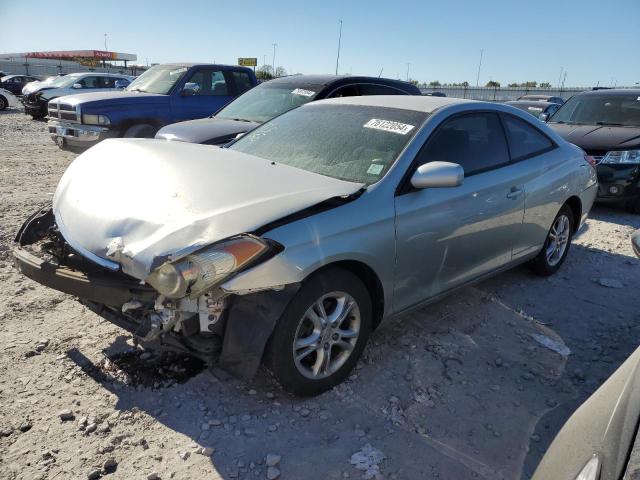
{"points": [[326, 335], [558, 240]]}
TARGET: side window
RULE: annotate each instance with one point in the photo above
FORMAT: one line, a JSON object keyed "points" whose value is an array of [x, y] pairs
{"points": [[243, 81], [475, 141], [90, 82], [378, 90], [210, 82], [524, 139], [348, 91]]}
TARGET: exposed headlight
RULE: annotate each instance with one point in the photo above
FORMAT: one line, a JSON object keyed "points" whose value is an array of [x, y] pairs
{"points": [[95, 119], [591, 471], [200, 271], [624, 156]]}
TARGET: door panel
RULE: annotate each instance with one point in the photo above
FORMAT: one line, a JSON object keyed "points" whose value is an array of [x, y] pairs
{"points": [[448, 236]]}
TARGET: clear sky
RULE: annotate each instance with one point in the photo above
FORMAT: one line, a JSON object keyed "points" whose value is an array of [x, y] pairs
{"points": [[592, 40]]}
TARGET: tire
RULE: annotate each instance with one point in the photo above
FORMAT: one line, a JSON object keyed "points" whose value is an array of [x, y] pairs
{"points": [[301, 322], [551, 257], [3, 103], [141, 130]]}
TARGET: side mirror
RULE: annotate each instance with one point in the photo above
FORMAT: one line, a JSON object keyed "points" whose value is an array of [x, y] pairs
{"points": [[120, 84], [544, 117], [438, 175], [190, 88], [76, 85]]}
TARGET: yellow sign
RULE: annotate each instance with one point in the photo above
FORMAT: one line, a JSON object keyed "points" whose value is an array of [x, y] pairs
{"points": [[248, 62]]}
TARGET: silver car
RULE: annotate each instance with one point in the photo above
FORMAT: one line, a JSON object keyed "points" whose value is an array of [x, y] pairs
{"points": [[298, 240]]}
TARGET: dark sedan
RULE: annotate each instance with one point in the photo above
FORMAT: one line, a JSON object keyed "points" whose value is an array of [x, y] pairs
{"points": [[270, 99], [538, 109], [542, 98], [15, 83], [606, 124]]}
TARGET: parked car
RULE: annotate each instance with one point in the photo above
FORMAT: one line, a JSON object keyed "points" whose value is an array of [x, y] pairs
{"points": [[537, 108], [542, 98], [7, 99], [273, 98], [36, 100], [606, 124], [600, 440], [435, 94], [37, 85], [162, 95], [14, 83], [303, 235]]}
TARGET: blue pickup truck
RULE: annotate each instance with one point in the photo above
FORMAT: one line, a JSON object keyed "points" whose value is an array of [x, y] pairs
{"points": [[162, 95]]}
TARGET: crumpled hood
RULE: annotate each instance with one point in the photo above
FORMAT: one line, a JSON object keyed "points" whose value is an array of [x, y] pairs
{"points": [[35, 86], [205, 130], [142, 200], [597, 137]]}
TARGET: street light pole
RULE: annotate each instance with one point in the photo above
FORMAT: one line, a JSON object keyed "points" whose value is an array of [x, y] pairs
{"points": [[479, 66], [408, 65], [273, 66], [105, 42], [339, 42]]}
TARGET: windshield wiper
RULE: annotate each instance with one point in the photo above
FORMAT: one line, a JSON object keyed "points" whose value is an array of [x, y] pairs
{"points": [[610, 124], [137, 90]]}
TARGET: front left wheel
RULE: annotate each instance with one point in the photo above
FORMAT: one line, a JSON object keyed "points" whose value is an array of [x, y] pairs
{"points": [[321, 334]]}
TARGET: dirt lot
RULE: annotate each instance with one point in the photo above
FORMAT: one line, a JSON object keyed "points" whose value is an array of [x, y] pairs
{"points": [[463, 389]]}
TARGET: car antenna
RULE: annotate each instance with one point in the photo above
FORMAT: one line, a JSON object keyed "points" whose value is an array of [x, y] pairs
{"points": [[380, 74]]}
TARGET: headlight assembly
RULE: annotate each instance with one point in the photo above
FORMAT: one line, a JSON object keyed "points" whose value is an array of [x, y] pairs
{"points": [[95, 119], [199, 271], [624, 156]]}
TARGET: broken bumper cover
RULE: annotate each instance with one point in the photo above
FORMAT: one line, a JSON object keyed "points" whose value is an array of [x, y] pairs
{"points": [[97, 288], [78, 135]]}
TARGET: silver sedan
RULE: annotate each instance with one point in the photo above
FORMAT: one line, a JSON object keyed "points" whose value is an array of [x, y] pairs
{"points": [[293, 244]]}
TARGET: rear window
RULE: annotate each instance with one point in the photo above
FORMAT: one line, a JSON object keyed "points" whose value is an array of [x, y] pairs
{"points": [[243, 81], [524, 140]]}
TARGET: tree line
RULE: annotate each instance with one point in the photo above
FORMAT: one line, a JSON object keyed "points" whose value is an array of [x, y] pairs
{"points": [[490, 84]]}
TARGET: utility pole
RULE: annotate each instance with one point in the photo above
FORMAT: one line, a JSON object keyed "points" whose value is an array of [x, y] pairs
{"points": [[105, 42], [560, 77], [339, 42], [408, 65], [479, 66], [273, 66], [264, 59]]}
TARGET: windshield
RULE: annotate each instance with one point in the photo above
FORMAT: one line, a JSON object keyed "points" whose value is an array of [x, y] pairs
{"points": [[619, 109], [349, 142], [159, 79], [64, 82], [263, 103]]}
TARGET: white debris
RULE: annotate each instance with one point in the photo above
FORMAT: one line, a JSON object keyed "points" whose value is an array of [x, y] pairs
{"points": [[610, 282], [557, 346], [368, 460], [272, 459]]}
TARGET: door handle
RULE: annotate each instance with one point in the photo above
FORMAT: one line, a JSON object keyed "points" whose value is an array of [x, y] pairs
{"points": [[514, 193]]}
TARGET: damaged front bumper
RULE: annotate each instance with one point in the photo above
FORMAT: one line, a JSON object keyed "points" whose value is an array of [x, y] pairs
{"points": [[76, 135], [230, 330]]}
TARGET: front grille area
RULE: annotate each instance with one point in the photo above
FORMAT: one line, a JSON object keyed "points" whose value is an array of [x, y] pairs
{"points": [[63, 111]]}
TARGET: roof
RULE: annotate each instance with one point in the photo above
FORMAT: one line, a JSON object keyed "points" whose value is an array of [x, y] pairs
{"points": [[612, 91], [326, 80], [404, 102], [531, 103]]}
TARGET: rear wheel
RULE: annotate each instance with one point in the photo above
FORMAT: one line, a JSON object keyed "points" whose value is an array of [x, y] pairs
{"points": [[556, 246], [321, 334], [3, 103], [142, 130]]}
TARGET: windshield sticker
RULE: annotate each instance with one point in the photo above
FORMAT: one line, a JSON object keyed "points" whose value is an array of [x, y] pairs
{"points": [[303, 92], [389, 126], [375, 169]]}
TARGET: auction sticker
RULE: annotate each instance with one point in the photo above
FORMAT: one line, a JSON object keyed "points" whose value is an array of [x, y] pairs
{"points": [[303, 92], [389, 126]]}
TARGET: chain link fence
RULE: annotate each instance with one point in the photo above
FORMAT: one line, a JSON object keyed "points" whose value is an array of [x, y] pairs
{"points": [[502, 94]]}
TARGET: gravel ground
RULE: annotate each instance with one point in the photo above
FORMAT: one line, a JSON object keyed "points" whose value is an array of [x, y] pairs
{"points": [[475, 386]]}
